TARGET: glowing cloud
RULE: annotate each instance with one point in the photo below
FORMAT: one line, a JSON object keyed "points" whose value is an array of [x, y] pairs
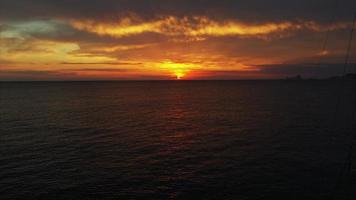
{"points": [[194, 27], [39, 53]]}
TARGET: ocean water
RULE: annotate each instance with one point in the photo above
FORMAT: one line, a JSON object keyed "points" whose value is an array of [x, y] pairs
{"points": [[176, 140]]}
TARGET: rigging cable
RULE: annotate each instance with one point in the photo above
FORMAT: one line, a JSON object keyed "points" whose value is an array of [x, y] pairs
{"points": [[346, 168], [324, 48], [319, 64]]}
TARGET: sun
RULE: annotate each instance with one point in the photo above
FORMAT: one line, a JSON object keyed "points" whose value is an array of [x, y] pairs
{"points": [[177, 70], [179, 75]]}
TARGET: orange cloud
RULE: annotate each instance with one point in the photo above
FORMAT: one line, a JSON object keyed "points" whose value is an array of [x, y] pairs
{"points": [[195, 27]]}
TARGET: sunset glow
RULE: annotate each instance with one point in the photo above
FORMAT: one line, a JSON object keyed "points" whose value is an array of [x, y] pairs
{"points": [[165, 42], [179, 75], [179, 70]]}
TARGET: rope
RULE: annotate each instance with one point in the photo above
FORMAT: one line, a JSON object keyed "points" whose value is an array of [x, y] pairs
{"points": [[319, 65], [348, 162], [327, 36]]}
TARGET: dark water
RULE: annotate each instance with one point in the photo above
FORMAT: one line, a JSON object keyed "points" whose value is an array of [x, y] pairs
{"points": [[174, 140]]}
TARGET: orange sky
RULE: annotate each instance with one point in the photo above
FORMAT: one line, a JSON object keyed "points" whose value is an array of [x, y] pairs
{"points": [[128, 45]]}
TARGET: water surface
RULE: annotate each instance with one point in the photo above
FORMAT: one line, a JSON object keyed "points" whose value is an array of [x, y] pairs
{"points": [[173, 140]]}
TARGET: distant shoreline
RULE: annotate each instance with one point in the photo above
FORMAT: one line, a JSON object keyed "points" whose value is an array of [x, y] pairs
{"points": [[293, 78], [175, 81]]}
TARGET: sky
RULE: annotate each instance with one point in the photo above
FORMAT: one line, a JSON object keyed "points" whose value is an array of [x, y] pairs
{"points": [[174, 39]]}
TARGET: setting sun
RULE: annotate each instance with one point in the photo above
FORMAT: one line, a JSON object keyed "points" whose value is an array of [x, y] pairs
{"points": [[179, 75], [179, 70]]}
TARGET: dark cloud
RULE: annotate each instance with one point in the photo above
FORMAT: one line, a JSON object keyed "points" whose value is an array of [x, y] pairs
{"points": [[307, 70], [244, 10], [277, 71], [33, 75], [74, 75]]}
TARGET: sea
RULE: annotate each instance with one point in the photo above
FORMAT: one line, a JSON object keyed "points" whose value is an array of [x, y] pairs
{"points": [[243, 140]]}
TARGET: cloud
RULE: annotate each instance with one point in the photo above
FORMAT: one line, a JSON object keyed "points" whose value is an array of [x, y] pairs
{"points": [[244, 10], [31, 75], [40, 52], [79, 74], [275, 71], [196, 27], [154, 38], [306, 70], [102, 63]]}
